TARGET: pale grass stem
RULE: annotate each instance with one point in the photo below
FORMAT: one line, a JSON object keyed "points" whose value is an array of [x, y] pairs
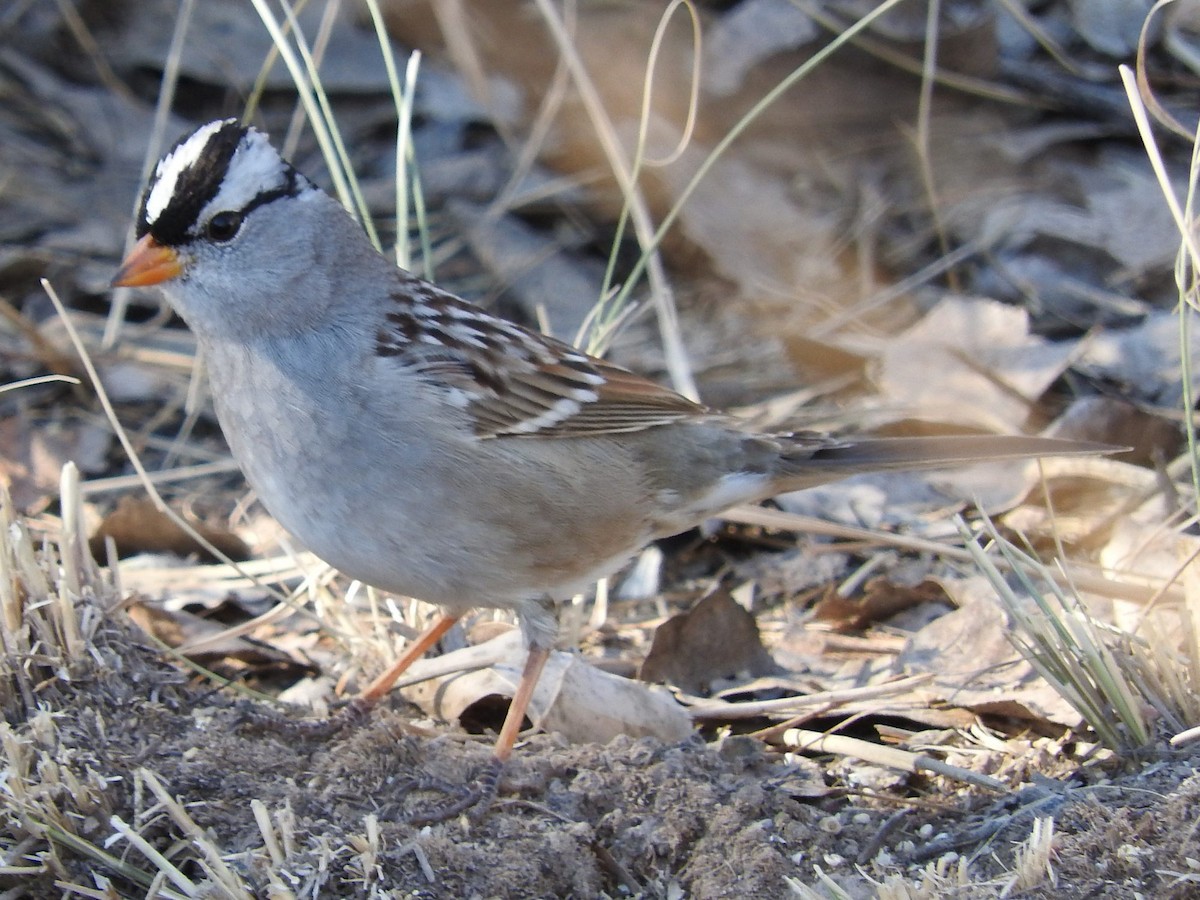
{"points": [[650, 262], [1082, 659], [1187, 263], [162, 113], [950, 876], [211, 856]]}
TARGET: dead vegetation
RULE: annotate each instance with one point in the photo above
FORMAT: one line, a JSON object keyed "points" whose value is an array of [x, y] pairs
{"points": [[985, 248]]}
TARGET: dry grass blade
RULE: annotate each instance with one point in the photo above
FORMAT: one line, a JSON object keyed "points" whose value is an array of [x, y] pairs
{"points": [[51, 596], [1187, 261], [1164, 659], [678, 366], [723, 710], [951, 876], [121, 867], [39, 611], [1088, 664], [163, 864], [1132, 586], [302, 68], [52, 600], [211, 855], [606, 317], [41, 379], [943, 878], [1166, 665], [270, 841], [830, 889], [1031, 861], [403, 98]]}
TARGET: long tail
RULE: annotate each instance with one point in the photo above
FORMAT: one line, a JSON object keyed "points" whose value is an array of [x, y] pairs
{"points": [[816, 461]]}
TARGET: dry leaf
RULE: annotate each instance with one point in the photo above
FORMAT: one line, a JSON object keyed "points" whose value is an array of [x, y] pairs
{"points": [[765, 239], [749, 33], [1144, 360], [32, 457], [880, 599], [917, 502], [974, 664], [971, 362], [1118, 423], [237, 44], [179, 628], [138, 526], [792, 572], [1111, 27], [717, 639], [572, 698]]}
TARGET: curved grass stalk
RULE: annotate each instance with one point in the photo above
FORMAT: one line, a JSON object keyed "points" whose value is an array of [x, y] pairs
{"points": [[608, 312]]}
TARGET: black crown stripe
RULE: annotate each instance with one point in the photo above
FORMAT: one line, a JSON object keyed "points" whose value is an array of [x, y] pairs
{"points": [[200, 182], [195, 187]]}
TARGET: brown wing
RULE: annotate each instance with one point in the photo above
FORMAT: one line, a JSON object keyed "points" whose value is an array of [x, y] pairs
{"points": [[513, 381]]}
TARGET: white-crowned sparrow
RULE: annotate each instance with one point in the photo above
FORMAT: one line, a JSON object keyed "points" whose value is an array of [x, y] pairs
{"points": [[425, 447]]}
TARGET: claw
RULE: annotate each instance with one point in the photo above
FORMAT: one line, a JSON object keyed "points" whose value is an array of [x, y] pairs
{"points": [[458, 798], [352, 714]]}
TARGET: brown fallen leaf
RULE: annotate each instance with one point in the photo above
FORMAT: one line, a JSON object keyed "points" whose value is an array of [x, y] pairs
{"points": [[32, 456], [179, 628], [138, 526], [716, 639], [990, 369], [1153, 438], [880, 599], [976, 667]]}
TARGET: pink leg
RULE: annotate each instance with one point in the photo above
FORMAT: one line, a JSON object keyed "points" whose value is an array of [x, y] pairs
{"points": [[479, 798], [534, 663], [416, 650]]}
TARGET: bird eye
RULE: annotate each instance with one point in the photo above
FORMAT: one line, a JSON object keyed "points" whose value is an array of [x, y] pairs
{"points": [[224, 225]]}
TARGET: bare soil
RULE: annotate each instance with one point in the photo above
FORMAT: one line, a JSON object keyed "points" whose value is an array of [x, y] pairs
{"points": [[701, 819]]}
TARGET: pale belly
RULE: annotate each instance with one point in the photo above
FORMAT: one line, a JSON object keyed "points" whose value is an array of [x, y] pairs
{"points": [[442, 519]]}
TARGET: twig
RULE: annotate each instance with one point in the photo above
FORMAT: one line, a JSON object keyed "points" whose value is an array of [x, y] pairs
{"points": [[721, 709], [892, 757], [874, 845]]}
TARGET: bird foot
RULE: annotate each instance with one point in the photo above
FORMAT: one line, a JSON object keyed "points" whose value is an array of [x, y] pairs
{"points": [[455, 798]]}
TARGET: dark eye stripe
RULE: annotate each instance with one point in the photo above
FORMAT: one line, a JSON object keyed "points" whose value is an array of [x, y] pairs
{"points": [[293, 184], [195, 187]]}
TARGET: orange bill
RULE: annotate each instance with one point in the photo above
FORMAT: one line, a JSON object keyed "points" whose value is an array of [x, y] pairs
{"points": [[149, 262]]}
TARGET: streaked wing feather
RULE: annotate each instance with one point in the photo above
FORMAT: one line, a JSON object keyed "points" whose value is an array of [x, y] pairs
{"points": [[515, 382], [559, 405]]}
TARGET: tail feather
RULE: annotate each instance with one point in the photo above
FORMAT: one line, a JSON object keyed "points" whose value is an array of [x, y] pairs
{"points": [[814, 462]]}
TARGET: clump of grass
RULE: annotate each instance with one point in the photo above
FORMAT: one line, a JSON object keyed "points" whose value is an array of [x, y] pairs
{"points": [[54, 599], [49, 590], [1066, 645], [1127, 686]]}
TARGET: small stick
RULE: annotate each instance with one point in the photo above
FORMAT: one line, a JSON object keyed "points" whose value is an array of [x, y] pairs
{"points": [[893, 757]]}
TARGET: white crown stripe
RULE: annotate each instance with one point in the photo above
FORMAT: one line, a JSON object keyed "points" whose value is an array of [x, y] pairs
{"points": [[255, 169], [173, 165]]}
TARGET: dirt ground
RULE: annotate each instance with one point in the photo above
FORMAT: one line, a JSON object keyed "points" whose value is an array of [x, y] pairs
{"points": [[702, 819]]}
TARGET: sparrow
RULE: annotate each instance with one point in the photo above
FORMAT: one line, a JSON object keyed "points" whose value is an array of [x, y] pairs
{"points": [[428, 448]]}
